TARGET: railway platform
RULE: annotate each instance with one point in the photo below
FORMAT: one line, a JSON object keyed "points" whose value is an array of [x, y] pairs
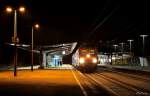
{"points": [[145, 69]]}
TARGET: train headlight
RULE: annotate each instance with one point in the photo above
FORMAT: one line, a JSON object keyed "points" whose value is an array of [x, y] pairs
{"points": [[81, 60], [94, 60], [88, 55]]}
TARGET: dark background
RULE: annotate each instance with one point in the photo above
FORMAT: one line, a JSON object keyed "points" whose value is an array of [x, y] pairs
{"points": [[104, 23]]}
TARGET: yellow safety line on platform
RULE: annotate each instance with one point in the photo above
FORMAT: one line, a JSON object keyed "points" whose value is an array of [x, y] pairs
{"points": [[81, 87]]}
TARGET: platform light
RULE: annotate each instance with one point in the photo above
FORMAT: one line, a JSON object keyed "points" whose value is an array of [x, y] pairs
{"points": [[22, 9], [143, 35], [130, 42], [36, 26], [9, 9], [143, 38], [113, 58], [16, 39], [12, 44], [63, 52], [24, 45]]}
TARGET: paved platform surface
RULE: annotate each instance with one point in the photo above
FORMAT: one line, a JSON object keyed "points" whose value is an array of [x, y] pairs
{"points": [[39, 83]]}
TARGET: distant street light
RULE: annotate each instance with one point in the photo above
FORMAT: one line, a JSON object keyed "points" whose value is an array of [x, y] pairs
{"points": [[130, 42], [115, 46], [35, 26], [15, 39], [9, 9], [22, 9], [122, 49], [143, 38]]}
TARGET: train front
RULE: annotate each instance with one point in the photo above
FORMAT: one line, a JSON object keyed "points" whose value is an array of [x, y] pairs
{"points": [[88, 60]]}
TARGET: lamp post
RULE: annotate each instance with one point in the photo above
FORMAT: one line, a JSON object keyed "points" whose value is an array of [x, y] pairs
{"points": [[122, 49], [15, 39], [143, 38], [115, 46], [35, 26], [130, 44]]}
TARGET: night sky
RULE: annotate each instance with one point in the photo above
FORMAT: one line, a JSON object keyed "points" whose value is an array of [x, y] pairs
{"points": [[59, 21], [112, 21]]}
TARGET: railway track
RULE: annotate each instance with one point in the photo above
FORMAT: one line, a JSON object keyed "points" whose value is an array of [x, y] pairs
{"points": [[135, 76], [88, 87], [112, 86], [96, 84], [129, 79], [126, 84], [128, 74]]}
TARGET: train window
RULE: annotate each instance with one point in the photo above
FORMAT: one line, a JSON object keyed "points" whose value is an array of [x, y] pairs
{"points": [[84, 51], [87, 51], [92, 51]]}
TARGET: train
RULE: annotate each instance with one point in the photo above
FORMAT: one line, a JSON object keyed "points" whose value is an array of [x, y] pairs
{"points": [[85, 59]]}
